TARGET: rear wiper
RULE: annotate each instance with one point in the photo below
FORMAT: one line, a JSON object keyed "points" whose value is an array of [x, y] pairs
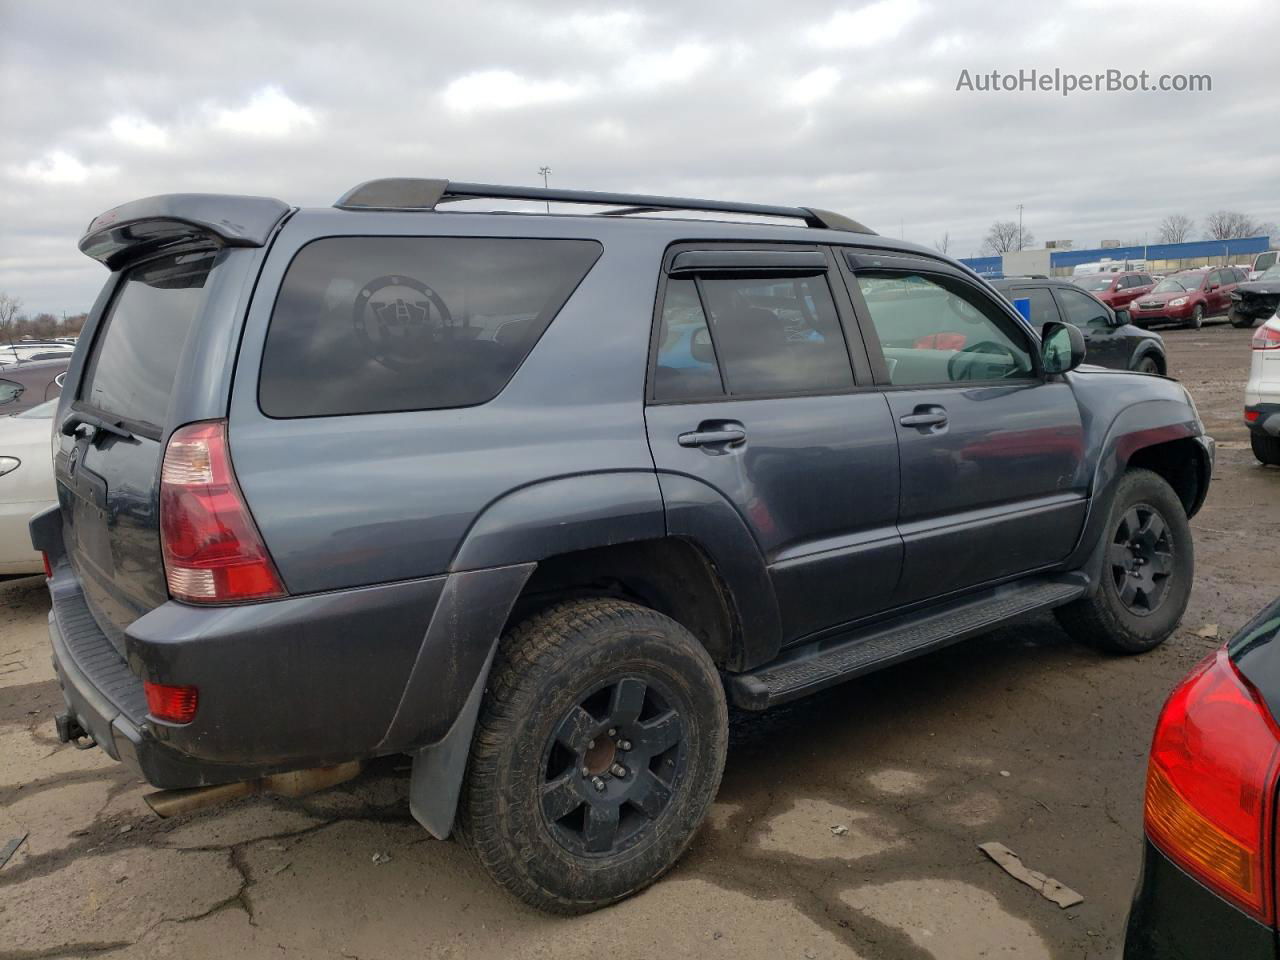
{"points": [[74, 420]]}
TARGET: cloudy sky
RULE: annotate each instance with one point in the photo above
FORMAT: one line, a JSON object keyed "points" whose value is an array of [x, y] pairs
{"points": [[850, 106]]}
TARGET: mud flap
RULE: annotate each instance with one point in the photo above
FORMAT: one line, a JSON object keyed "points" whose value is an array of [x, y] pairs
{"points": [[436, 780]]}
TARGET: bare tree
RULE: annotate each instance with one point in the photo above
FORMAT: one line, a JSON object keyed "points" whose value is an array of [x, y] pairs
{"points": [[9, 307], [1005, 237], [1230, 225], [942, 245], [1175, 228]]}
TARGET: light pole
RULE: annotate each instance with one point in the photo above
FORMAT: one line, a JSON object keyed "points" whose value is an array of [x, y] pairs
{"points": [[546, 172], [1019, 226]]}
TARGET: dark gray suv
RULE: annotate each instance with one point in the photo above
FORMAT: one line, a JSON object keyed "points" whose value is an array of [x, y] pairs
{"points": [[532, 498]]}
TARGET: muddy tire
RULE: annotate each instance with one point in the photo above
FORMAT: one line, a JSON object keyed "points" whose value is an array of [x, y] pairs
{"points": [[1197, 318], [1147, 364], [1147, 568], [1266, 449], [599, 748]]}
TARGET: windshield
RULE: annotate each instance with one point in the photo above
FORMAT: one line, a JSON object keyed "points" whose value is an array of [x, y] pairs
{"points": [[1272, 274], [1179, 284], [41, 411], [1101, 282]]}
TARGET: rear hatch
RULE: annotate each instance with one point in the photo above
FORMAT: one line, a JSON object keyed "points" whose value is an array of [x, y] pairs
{"points": [[157, 357], [107, 482]]}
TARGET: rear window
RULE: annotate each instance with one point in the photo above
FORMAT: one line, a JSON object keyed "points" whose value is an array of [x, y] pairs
{"points": [[382, 324], [135, 355]]}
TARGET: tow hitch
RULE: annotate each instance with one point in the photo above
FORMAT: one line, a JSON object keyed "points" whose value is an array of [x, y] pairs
{"points": [[70, 731]]}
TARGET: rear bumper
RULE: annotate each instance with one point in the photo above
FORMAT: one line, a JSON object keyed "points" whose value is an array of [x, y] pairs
{"points": [[1267, 419], [301, 682], [1173, 917]]}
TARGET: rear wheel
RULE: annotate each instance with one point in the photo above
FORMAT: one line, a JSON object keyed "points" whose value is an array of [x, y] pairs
{"points": [[1240, 322], [1197, 317], [1266, 449], [599, 748], [1146, 572]]}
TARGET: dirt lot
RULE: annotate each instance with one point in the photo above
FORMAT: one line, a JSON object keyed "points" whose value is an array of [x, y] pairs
{"points": [[1021, 737]]}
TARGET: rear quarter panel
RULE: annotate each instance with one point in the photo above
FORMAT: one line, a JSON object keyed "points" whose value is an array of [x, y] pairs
{"points": [[353, 500]]}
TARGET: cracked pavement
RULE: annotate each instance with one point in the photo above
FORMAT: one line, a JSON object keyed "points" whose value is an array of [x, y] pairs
{"points": [[1020, 737]]}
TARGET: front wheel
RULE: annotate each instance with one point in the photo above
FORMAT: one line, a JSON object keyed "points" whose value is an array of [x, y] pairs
{"points": [[599, 748], [1266, 449], [1147, 365], [1147, 569], [1240, 322], [1197, 317]]}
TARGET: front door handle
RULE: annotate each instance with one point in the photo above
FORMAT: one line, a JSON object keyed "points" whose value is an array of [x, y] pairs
{"points": [[720, 436], [925, 417]]}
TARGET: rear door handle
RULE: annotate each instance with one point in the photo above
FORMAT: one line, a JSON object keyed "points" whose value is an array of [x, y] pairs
{"points": [[707, 438], [925, 417]]}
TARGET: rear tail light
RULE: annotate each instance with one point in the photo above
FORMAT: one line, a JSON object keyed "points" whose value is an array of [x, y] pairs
{"points": [[1211, 783], [1267, 338], [48, 567], [1251, 416], [170, 703], [212, 550]]}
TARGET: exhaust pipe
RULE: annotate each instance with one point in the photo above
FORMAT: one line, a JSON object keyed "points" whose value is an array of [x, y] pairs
{"points": [[292, 783]]}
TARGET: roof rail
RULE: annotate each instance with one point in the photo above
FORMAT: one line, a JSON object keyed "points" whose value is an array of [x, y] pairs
{"points": [[420, 194]]}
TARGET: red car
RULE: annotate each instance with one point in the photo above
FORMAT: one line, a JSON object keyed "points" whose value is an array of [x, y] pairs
{"points": [[1116, 290], [1187, 298]]}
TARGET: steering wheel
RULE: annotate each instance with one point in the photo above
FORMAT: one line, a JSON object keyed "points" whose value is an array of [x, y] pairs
{"points": [[985, 346]]}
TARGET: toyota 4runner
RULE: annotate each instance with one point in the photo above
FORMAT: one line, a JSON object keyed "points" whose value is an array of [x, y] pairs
{"points": [[534, 498]]}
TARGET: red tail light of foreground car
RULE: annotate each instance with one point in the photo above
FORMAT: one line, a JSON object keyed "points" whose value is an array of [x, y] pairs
{"points": [[1211, 784]]}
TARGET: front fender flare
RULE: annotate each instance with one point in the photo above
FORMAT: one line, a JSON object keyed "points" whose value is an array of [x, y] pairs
{"points": [[1134, 428]]}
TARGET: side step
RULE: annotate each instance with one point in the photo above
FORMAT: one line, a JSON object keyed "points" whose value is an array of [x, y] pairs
{"points": [[816, 666]]}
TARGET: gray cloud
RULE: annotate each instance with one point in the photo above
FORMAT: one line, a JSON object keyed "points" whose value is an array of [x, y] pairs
{"points": [[847, 106]]}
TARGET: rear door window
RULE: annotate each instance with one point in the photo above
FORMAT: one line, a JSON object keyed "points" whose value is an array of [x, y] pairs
{"points": [[1043, 309], [1082, 310], [383, 324], [136, 353]]}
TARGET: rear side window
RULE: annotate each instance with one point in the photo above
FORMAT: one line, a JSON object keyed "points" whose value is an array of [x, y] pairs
{"points": [[761, 336], [382, 324], [136, 353]]}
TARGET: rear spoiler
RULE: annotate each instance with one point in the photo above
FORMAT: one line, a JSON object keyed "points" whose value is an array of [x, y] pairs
{"points": [[144, 226]]}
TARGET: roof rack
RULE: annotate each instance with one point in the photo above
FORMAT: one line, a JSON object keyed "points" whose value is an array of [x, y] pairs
{"points": [[419, 194]]}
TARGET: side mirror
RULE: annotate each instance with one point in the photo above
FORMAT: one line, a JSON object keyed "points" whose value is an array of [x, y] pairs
{"points": [[1212, 287], [1119, 317], [1061, 347]]}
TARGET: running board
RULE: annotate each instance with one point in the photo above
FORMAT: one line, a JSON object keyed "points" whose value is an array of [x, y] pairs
{"points": [[816, 666]]}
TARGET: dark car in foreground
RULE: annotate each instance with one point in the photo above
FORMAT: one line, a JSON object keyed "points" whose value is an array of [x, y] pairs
{"points": [[532, 498], [1256, 300], [28, 383], [1111, 340], [1208, 883], [1116, 290]]}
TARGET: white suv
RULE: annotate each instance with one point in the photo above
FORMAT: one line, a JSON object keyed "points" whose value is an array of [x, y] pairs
{"points": [[1262, 393]]}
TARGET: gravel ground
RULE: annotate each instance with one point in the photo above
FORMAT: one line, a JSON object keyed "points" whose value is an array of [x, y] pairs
{"points": [[1020, 736]]}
